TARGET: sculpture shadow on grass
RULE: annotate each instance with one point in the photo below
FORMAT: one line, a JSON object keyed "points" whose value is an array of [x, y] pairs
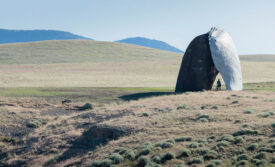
{"points": [[137, 96], [88, 141]]}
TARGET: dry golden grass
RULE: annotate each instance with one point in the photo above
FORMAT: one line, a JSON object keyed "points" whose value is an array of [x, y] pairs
{"points": [[157, 73], [83, 63], [57, 139]]}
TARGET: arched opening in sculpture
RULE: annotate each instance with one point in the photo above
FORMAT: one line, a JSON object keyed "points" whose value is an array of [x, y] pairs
{"points": [[205, 57]]}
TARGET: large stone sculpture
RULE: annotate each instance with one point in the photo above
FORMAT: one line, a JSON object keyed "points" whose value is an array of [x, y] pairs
{"points": [[205, 57], [226, 59], [197, 71]]}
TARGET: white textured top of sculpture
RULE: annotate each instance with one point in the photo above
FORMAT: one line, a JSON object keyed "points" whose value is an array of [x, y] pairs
{"points": [[225, 58]]}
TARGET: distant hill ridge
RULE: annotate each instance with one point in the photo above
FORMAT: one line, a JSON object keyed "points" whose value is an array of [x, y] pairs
{"points": [[16, 36], [20, 36], [151, 43]]}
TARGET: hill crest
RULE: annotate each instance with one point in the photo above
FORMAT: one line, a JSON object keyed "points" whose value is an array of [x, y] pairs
{"points": [[20, 36], [151, 43]]}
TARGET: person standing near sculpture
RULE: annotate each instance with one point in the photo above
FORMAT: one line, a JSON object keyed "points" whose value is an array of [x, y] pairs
{"points": [[219, 85]]}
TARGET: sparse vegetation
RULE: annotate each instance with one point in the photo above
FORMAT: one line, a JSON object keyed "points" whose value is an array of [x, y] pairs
{"points": [[168, 156], [86, 106], [34, 123], [170, 137], [249, 111], [195, 160], [183, 138], [253, 146]]}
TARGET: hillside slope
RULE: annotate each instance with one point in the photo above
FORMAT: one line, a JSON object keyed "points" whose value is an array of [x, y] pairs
{"points": [[190, 129], [85, 63], [75, 51], [15, 36], [156, 44]]}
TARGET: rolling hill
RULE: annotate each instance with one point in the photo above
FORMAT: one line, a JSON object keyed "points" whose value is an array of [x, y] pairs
{"points": [[15, 36], [77, 51], [86, 63], [151, 43]]}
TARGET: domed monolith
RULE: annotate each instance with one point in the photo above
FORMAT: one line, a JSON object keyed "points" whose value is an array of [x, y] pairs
{"points": [[226, 58], [197, 71]]}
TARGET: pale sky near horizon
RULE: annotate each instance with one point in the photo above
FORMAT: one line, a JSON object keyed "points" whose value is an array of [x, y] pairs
{"points": [[251, 23]]}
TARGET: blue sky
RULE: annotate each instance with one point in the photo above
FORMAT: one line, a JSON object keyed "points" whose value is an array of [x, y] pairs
{"points": [[251, 23]]}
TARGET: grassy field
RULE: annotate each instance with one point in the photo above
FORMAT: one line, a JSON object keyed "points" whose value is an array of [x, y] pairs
{"points": [[80, 63], [77, 51], [209, 127], [101, 104]]}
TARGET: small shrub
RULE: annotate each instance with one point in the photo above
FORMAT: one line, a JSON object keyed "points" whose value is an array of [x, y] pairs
{"points": [[265, 149], [249, 111], [203, 141], [103, 163], [86, 106], [237, 121], [116, 158], [183, 138], [143, 160], [34, 123], [238, 139], [246, 132], [210, 155], [144, 114], [168, 156], [181, 107], [203, 116], [203, 107], [164, 144], [194, 145], [170, 141], [195, 160], [222, 144], [261, 155], [273, 160], [253, 147], [130, 154], [96, 163], [7, 139], [120, 150], [212, 137], [203, 120], [244, 125], [185, 153], [214, 107], [254, 161], [261, 162], [217, 162], [53, 150], [227, 137], [273, 125], [264, 115], [157, 158], [240, 151], [243, 157], [235, 102], [147, 145], [144, 151], [271, 112], [242, 163]]}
